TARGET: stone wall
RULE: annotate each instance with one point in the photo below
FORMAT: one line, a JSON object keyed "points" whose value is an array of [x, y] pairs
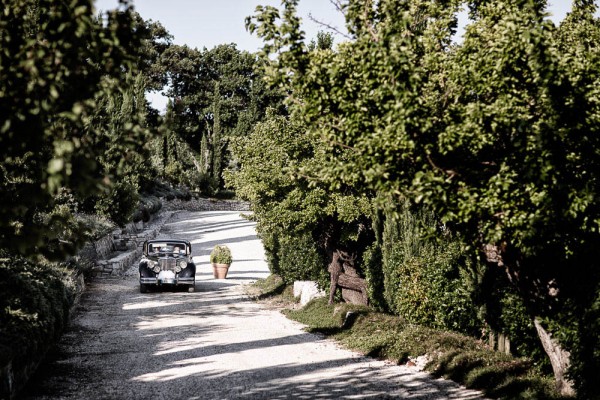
{"points": [[123, 248], [114, 253], [203, 204], [99, 249]]}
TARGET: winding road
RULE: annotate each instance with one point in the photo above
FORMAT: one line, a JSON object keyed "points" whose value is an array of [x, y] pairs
{"points": [[214, 343]]}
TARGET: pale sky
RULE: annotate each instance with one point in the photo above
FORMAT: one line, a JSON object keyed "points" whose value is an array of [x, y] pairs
{"points": [[207, 23]]}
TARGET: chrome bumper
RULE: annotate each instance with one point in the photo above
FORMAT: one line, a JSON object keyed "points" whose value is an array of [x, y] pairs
{"points": [[156, 281]]}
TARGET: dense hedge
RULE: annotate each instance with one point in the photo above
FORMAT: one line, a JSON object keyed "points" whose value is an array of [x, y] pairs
{"points": [[120, 203], [416, 269], [295, 258], [34, 307], [425, 280]]}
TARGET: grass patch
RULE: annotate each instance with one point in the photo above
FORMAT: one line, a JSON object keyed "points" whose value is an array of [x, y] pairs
{"points": [[451, 355], [272, 288], [273, 285]]}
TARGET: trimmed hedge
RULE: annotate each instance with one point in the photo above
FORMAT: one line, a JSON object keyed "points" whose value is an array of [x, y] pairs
{"points": [[417, 270], [34, 307], [425, 280], [295, 258]]}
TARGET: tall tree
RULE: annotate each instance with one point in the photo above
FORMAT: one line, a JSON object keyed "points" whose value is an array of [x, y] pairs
{"points": [[155, 40], [222, 82], [120, 125], [217, 140], [288, 207]]}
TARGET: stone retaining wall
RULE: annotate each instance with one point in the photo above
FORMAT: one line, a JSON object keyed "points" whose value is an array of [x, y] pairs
{"points": [[203, 204], [124, 248]]}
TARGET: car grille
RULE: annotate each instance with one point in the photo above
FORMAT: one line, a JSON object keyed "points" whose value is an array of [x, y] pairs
{"points": [[167, 264]]}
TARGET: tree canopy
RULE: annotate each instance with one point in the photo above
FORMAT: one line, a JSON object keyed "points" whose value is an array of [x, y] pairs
{"points": [[55, 59], [496, 134]]}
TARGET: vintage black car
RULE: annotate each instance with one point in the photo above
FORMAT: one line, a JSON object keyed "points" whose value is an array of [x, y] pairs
{"points": [[167, 263]]}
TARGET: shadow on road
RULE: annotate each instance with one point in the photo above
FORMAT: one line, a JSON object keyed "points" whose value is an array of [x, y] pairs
{"points": [[211, 344]]}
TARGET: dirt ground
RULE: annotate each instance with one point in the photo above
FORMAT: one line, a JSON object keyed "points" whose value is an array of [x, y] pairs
{"points": [[214, 343]]}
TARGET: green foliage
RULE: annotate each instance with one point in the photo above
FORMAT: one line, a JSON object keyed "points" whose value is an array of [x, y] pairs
{"points": [[270, 242], [518, 325], [120, 202], [221, 254], [294, 257], [177, 163], [323, 317], [269, 287], [375, 277], [297, 218], [498, 135], [324, 41], [120, 121], [155, 40], [147, 206], [95, 226], [218, 93], [56, 61], [34, 307], [300, 260], [425, 279]]}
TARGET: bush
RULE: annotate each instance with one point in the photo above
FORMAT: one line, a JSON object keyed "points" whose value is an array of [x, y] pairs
{"points": [[95, 226], [221, 254], [203, 183], [147, 206], [120, 203], [300, 260], [425, 280], [504, 312], [373, 261], [271, 245], [428, 282], [34, 307]]}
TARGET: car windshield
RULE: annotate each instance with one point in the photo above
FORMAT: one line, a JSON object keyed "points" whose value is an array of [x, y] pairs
{"points": [[166, 247]]}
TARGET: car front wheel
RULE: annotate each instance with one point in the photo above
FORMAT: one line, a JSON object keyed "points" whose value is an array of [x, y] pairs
{"points": [[192, 289], [143, 288]]}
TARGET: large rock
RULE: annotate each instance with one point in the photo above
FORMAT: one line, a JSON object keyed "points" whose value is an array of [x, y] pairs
{"points": [[307, 290]]}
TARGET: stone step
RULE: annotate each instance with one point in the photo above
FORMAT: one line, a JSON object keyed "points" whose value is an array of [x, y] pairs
{"points": [[120, 251]]}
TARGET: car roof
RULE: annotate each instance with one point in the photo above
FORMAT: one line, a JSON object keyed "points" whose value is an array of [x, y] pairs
{"points": [[168, 240]]}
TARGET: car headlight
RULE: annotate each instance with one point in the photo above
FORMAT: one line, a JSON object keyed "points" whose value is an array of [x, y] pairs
{"points": [[180, 266]]}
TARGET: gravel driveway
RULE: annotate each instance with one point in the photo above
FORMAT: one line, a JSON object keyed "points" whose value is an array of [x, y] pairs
{"points": [[214, 343]]}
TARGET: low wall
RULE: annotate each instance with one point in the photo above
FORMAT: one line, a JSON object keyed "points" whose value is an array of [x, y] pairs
{"points": [[125, 248], [203, 204]]}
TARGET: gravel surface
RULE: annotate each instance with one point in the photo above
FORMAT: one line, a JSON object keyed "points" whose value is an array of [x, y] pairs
{"points": [[214, 343]]}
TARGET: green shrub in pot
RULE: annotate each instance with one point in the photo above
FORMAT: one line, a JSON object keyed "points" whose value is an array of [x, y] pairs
{"points": [[221, 254]]}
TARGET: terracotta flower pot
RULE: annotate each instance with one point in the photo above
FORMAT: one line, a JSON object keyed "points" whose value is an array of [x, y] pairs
{"points": [[220, 270]]}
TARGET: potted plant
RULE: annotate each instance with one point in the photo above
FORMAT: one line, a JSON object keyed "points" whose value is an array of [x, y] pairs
{"points": [[220, 258]]}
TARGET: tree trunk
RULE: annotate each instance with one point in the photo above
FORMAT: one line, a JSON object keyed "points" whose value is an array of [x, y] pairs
{"points": [[559, 358], [344, 275], [165, 151]]}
